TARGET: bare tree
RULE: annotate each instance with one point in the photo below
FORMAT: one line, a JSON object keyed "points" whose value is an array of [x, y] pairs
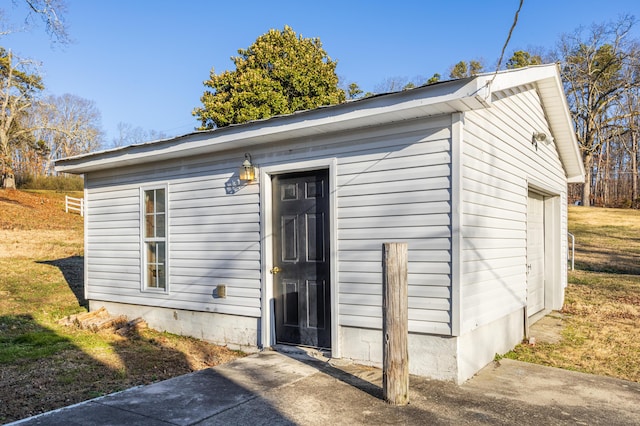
{"points": [[391, 84], [626, 137], [19, 87], [48, 12], [130, 135], [593, 67], [66, 125]]}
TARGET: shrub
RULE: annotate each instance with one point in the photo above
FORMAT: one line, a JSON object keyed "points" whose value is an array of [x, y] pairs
{"points": [[52, 183]]}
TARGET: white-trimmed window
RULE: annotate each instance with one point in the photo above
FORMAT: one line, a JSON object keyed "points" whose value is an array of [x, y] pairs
{"points": [[154, 238]]}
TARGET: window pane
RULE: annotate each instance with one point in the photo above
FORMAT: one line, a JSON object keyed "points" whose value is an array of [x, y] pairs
{"points": [[149, 228], [160, 282], [159, 201], [151, 252], [149, 201], [160, 225], [160, 253], [151, 276]]}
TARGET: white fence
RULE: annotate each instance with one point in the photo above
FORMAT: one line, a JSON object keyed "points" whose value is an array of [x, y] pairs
{"points": [[74, 205], [572, 255]]}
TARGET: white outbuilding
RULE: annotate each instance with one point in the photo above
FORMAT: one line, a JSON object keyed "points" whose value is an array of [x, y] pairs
{"points": [[472, 174]]}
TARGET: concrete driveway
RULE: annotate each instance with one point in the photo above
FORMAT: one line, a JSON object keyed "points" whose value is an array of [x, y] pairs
{"points": [[272, 388]]}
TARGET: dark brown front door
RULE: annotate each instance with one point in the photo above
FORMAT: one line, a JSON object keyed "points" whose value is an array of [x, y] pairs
{"points": [[301, 258]]}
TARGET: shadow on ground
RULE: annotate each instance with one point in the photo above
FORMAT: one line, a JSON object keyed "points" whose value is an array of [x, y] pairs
{"points": [[72, 269], [42, 369]]}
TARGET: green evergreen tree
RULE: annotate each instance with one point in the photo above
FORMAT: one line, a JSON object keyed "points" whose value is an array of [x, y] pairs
{"points": [[280, 73], [434, 78], [466, 69], [459, 70], [354, 91], [521, 59]]}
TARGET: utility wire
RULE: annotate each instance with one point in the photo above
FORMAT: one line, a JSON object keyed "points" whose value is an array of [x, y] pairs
{"points": [[504, 48]]}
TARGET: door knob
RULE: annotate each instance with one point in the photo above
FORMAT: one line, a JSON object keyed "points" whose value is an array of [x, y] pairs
{"points": [[275, 270]]}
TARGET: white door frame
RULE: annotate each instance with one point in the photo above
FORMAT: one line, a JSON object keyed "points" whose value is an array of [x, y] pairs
{"points": [[553, 234], [267, 329]]}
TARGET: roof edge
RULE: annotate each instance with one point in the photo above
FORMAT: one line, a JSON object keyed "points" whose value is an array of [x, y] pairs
{"points": [[379, 109], [459, 95]]}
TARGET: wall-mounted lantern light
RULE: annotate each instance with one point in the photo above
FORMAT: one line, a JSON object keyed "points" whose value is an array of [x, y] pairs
{"points": [[539, 137], [247, 170]]}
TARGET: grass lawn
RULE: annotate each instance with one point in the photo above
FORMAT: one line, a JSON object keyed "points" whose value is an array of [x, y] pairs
{"points": [[602, 300], [45, 365]]}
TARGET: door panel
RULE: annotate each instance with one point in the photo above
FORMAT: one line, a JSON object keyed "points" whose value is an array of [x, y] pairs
{"points": [[301, 260], [289, 235], [290, 302], [535, 253], [315, 237]]}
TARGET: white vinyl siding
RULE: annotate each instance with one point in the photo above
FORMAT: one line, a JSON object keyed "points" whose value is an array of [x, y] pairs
{"points": [[396, 193], [446, 168], [214, 238], [392, 185], [498, 163], [113, 240]]}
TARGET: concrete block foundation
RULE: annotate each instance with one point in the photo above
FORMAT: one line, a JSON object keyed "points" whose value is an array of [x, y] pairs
{"points": [[449, 358], [232, 331]]}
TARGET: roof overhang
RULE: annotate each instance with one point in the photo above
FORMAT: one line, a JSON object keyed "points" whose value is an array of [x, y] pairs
{"points": [[548, 83], [436, 99]]}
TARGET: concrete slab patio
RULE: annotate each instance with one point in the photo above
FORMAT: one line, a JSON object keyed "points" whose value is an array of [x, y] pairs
{"points": [[273, 388]]}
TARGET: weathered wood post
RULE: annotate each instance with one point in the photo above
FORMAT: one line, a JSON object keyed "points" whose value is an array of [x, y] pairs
{"points": [[395, 319]]}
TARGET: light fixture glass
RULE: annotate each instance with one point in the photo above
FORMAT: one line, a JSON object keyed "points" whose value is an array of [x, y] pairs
{"points": [[540, 136], [247, 170]]}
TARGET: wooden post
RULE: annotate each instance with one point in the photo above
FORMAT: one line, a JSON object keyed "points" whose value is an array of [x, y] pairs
{"points": [[395, 319]]}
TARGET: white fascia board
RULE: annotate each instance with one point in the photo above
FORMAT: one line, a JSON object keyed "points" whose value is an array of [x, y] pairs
{"points": [[377, 110], [508, 79], [574, 164], [561, 124]]}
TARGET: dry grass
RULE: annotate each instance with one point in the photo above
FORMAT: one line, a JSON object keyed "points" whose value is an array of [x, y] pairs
{"points": [[44, 365], [37, 210], [602, 302], [608, 240]]}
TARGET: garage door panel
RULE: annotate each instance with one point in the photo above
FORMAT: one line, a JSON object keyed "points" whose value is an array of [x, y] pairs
{"points": [[535, 253]]}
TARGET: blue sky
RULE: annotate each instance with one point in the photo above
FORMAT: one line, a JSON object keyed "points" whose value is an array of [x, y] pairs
{"points": [[143, 62]]}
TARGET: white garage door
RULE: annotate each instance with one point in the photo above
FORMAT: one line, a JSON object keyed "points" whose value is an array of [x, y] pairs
{"points": [[535, 253]]}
